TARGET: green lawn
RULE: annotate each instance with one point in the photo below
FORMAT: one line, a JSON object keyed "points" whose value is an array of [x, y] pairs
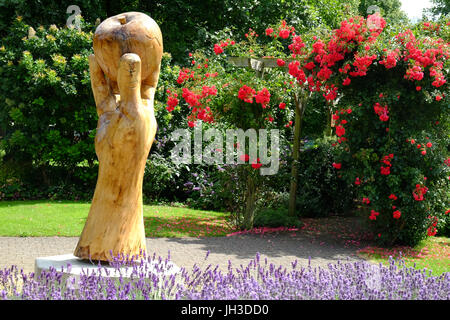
{"points": [[67, 218], [432, 253]]}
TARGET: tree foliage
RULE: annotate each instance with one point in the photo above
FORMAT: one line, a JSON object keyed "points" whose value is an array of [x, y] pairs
{"points": [[440, 8], [389, 9], [186, 24], [48, 115]]}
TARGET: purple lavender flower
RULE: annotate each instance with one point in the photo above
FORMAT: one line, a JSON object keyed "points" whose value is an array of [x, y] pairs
{"points": [[151, 279]]}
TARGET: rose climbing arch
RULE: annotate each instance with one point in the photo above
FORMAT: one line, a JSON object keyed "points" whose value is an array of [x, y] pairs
{"points": [[387, 93]]}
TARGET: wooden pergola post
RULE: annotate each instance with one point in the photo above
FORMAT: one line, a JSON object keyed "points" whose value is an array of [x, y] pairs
{"points": [[299, 111], [300, 103]]}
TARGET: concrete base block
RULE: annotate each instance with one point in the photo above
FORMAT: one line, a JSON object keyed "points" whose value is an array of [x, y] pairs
{"points": [[73, 267]]}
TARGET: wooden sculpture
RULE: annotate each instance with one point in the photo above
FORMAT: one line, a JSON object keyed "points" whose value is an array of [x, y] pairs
{"points": [[124, 73]]}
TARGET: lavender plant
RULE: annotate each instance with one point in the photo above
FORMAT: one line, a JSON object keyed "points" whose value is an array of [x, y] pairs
{"points": [[149, 279]]}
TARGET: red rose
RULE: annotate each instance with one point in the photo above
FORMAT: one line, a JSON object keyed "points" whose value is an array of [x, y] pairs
{"points": [[172, 102], [263, 97], [310, 66], [244, 157], [385, 170], [218, 49], [256, 164], [246, 93], [337, 165], [340, 131], [419, 192], [431, 231], [373, 215], [393, 197], [284, 33]]}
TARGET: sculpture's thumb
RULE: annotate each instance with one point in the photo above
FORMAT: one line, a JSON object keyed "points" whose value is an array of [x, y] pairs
{"points": [[129, 80]]}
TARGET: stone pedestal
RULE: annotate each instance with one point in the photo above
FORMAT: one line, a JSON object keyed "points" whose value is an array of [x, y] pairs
{"points": [[73, 267]]}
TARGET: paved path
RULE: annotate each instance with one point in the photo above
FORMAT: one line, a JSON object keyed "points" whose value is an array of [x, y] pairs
{"points": [[279, 248]]}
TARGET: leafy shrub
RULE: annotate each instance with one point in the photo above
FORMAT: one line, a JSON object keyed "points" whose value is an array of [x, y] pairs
{"points": [[272, 198], [48, 118], [163, 179], [48, 129], [47, 12], [321, 190], [204, 188], [275, 218]]}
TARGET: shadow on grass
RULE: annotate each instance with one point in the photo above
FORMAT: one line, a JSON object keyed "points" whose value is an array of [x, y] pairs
{"points": [[185, 227]]}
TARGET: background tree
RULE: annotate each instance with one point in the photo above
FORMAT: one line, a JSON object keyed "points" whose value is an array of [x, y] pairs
{"points": [[439, 8], [389, 9], [47, 12], [186, 24]]}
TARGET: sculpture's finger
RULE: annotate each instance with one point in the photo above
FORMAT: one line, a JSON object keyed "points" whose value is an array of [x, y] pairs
{"points": [[104, 99], [129, 80], [148, 95], [147, 92], [148, 88]]}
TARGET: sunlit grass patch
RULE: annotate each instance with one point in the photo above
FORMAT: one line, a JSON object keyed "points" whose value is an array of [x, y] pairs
{"points": [[42, 218], [67, 219], [432, 253]]}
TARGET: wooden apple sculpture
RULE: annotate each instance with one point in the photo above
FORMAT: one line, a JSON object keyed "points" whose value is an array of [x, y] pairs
{"points": [[124, 73]]}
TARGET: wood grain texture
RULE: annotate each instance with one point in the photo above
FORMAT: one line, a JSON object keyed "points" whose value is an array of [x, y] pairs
{"points": [[124, 73]]}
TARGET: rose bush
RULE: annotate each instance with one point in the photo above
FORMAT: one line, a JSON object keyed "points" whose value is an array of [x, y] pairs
{"points": [[390, 114], [225, 96], [387, 94]]}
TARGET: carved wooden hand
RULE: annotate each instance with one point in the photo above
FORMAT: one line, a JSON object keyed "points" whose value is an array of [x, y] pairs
{"points": [[124, 74], [125, 132]]}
